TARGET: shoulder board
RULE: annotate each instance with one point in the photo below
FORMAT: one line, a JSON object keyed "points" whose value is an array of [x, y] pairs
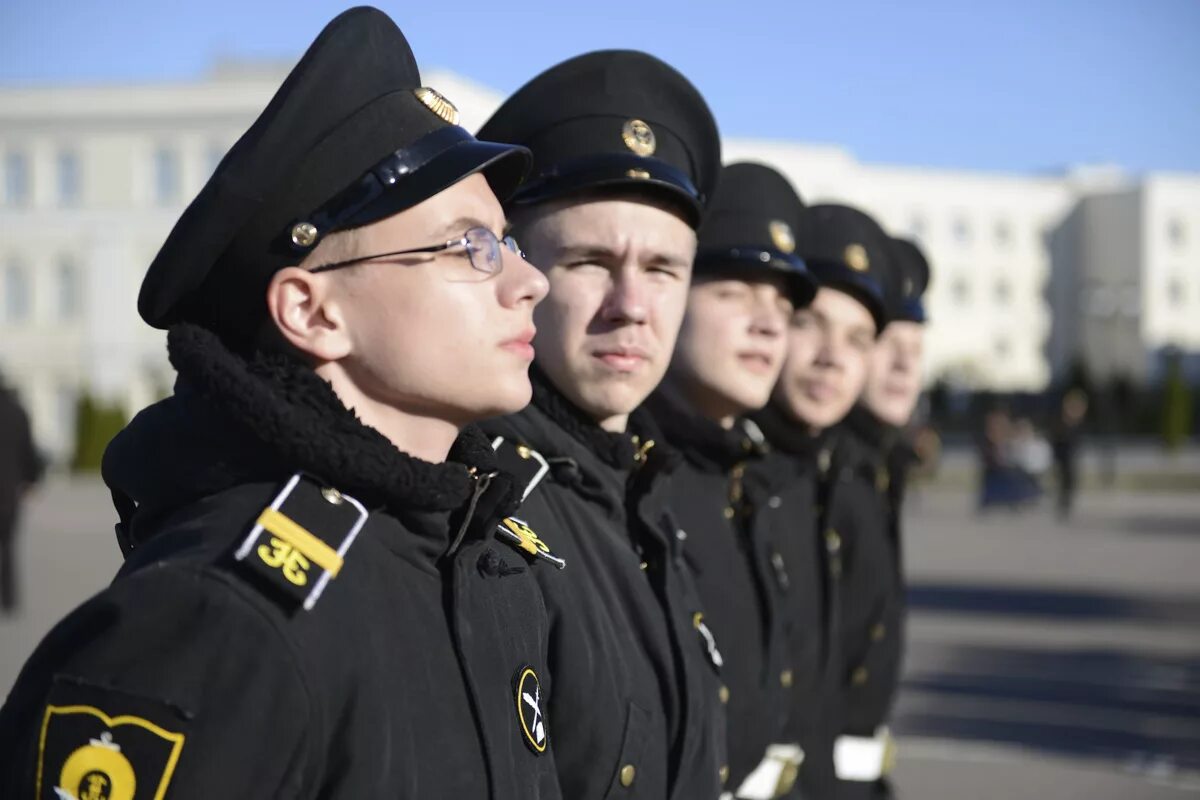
{"points": [[297, 543], [527, 466], [517, 533]]}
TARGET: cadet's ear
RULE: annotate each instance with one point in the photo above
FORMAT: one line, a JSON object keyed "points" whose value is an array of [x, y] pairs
{"points": [[307, 315]]}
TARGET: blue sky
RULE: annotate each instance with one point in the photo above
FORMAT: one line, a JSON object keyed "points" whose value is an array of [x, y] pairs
{"points": [[1016, 85]]}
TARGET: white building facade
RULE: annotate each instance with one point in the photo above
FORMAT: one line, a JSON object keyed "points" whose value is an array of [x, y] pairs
{"points": [[1030, 272]]}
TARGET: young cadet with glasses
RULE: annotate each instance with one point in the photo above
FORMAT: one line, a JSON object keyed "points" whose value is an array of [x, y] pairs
{"points": [[829, 349], [625, 153], [746, 284], [871, 448], [320, 596]]}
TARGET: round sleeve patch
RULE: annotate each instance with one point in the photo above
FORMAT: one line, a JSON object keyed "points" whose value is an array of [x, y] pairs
{"points": [[530, 712]]}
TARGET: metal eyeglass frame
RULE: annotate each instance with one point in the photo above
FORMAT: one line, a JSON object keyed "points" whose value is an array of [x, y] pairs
{"points": [[493, 242]]}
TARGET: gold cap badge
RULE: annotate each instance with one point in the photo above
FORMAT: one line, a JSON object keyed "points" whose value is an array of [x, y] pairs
{"points": [[781, 236], [639, 137], [436, 102], [304, 234], [855, 256]]}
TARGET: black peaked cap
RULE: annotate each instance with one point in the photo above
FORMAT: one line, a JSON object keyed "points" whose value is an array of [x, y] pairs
{"points": [[613, 119], [350, 138], [750, 228], [847, 250], [911, 278]]}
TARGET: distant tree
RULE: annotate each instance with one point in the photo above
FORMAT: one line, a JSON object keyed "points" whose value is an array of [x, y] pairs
{"points": [[1176, 418], [95, 426]]}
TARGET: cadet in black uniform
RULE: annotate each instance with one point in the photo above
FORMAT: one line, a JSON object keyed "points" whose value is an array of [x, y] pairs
{"points": [[871, 448], [322, 594], [746, 284], [626, 154], [829, 347]]}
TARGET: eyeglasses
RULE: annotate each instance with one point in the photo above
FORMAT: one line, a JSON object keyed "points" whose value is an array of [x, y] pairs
{"points": [[482, 246]]}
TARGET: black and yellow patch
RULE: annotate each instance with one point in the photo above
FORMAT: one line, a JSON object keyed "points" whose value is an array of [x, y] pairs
{"points": [[297, 543], [98, 745], [531, 716], [518, 533]]}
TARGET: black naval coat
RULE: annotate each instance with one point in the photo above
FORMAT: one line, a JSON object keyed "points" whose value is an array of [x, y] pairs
{"points": [[866, 511], [740, 546], [636, 709], [304, 612], [802, 474]]}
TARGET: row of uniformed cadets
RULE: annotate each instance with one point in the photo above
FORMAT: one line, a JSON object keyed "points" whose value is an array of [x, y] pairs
{"points": [[669, 575]]}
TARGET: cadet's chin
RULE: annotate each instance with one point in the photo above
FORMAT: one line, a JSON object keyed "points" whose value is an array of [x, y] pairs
{"points": [[508, 397]]}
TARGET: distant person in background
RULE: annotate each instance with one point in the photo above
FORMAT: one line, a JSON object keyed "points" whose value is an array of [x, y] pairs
{"points": [[993, 458], [20, 469], [1031, 457], [1064, 438]]}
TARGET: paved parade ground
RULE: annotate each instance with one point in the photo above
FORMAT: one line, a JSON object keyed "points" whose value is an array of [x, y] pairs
{"points": [[1045, 661]]}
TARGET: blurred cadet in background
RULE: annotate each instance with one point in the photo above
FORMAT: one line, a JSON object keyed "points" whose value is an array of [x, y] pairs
{"points": [[739, 540], [626, 156], [322, 594], [20, 468], [1065, 433], [830, 345], [873, 448]]}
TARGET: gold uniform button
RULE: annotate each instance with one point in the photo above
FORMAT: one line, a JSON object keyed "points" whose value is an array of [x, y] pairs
{"points": [[723, 693], [860, 676], [628, 773], [728, 512], [723, 774], [878, 632], [786, 678], [833, 540]]}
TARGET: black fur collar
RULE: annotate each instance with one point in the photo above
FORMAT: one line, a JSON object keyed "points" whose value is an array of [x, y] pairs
{"points": [[786, 435], [617, 450], [698, 438], [871, 430], [297, 420]]}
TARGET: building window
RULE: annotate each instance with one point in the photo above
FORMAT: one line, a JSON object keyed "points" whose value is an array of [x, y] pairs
{"points": [[68, 179], [1004, 234], [166, 176], [1002, 347], [17, 299], [960, 291], [1176, 233], [69, 289], [1003, 292], [961, 229], [1176, 293], [16, 179]]}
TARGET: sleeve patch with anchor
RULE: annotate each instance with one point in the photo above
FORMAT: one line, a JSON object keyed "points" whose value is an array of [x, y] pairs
{"points": [[96, 745], [518, 533], [298, 543]]}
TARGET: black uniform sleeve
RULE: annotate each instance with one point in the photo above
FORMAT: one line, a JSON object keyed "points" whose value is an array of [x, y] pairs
{"points": [[173, 678]]}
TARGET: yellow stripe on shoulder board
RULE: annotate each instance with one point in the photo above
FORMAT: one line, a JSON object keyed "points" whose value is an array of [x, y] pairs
{"points": [[295, 534]]}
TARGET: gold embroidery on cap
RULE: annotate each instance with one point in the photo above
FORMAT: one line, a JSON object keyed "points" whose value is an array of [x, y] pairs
{"points": [[638, 174], [638, 137], [436, 102], [781, 235], [855, 257]]}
